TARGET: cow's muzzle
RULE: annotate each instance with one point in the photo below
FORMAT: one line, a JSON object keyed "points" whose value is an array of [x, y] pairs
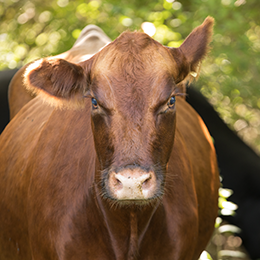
{"points": [[132, 184]]}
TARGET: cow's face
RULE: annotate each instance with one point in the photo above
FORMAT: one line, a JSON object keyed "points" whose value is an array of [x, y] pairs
{"points": [[132, 86], [133, 94]]}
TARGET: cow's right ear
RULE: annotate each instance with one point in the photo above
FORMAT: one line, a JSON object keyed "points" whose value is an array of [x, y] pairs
{"points": [[58, 81]]}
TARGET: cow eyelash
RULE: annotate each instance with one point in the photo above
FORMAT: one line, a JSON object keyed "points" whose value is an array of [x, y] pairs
{"points": [[172, 99], [87, 96], [170, 105]]}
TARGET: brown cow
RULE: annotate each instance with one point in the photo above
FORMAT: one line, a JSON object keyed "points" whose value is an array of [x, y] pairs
{"points": [[125, 169]]}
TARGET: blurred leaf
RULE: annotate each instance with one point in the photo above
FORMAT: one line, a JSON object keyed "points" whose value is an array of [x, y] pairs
{"points": [[225, 193], [229, 228]]}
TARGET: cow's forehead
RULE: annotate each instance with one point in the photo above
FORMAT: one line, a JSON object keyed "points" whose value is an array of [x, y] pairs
{"points": [[134, 53], [133, 67]]}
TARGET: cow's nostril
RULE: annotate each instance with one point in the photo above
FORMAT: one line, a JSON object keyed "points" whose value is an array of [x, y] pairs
{"points": [[149, 185], [118, 182], [146, 183], [115, 182]]}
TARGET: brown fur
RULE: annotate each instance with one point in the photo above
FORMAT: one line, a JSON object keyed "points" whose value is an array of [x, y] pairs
{"points": [[55, 164]]}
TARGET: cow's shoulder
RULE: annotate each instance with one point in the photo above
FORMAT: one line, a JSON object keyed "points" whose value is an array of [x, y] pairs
{"points": [[24, 129], [192, 128]]}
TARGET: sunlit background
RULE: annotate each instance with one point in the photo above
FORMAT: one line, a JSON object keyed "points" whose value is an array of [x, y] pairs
{"points": [[229, 76]]}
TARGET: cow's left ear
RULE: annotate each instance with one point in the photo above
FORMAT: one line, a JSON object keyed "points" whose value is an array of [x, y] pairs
{"points": [[58, 81], [192, 51]]}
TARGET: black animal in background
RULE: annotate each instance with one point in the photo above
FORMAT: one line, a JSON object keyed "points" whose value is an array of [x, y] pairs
{"points": [[240, 169], [5, 78]]}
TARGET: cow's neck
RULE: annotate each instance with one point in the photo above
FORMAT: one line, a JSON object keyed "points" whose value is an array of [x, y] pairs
{"points": [[131, 221]]}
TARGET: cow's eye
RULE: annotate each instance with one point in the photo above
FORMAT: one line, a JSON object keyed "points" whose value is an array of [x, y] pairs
{"points": [[94, 103], [171, 102]]}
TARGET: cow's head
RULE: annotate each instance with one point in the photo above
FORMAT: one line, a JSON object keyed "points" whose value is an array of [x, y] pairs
{"points": [[132, 84]]}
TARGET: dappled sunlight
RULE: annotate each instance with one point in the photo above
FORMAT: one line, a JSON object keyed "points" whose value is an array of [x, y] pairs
{"points": [[205, 256], [148, 28], [227, 208]]}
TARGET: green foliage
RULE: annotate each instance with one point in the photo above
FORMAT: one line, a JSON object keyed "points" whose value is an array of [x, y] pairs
{"points": [[229, 76]]}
